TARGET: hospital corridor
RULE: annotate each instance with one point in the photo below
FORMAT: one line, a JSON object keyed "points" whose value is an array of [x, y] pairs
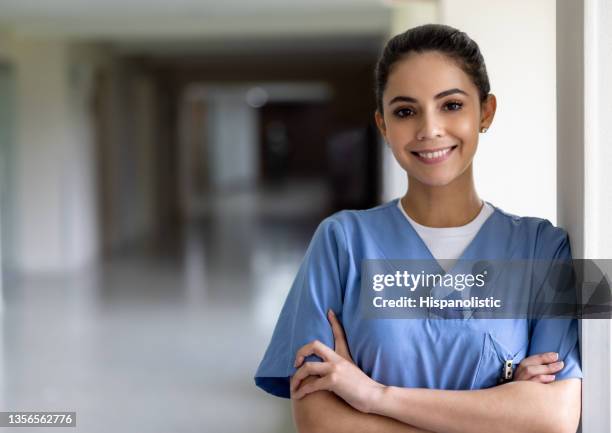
{"points": [[166, 340], [158, 192], [164, 166]]}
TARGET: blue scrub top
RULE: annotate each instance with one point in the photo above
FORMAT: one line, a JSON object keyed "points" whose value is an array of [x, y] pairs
{"points": [[418, 353]]}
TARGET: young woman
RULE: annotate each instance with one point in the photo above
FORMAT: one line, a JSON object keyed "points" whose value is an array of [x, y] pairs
{"points": [[346, 373]]}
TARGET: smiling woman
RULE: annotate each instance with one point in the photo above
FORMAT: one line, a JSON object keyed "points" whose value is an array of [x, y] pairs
{"points": [[425, 129], [347, 373]]}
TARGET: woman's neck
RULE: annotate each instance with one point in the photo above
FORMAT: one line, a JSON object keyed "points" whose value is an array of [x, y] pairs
{"points": [[451, 205]]}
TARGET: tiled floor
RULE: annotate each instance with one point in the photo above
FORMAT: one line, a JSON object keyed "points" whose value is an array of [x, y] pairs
{"points": [[163, 341]]}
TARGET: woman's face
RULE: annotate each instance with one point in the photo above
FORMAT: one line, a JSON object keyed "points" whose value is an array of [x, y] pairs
{"points": [[432, 117]]}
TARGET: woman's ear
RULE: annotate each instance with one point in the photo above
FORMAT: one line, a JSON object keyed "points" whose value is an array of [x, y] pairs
{"points": [[488, 108], [380, 123]]}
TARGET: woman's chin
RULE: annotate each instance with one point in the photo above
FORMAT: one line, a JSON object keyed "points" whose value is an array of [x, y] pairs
{"points": [[435, 181]]}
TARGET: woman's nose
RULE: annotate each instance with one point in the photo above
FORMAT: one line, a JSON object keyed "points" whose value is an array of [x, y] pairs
{"points": [[429, 128]]}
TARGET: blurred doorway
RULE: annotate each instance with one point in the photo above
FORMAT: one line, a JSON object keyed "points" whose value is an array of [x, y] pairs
{"points": [[293, 140]]}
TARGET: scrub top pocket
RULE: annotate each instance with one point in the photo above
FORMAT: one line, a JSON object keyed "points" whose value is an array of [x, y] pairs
{"points": [[498, 360]]}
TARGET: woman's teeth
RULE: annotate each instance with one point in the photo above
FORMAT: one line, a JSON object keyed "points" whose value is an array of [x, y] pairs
{"points": [[432, 155]]}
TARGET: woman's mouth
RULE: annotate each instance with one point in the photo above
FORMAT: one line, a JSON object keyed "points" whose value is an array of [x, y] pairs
{"points": [[434, 156]]}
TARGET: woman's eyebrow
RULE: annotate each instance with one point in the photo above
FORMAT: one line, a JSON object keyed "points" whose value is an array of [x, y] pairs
{"points": [[438, 96]]}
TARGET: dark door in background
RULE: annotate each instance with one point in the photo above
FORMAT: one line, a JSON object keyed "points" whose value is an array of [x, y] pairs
{"points": [[300, 141]]}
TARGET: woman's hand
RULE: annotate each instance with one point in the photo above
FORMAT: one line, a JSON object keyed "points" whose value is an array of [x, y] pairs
{"points": [[337, 373], [539, 368], [340, 345]]}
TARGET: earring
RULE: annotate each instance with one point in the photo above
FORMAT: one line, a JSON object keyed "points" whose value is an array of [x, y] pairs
{"points": [[483, 129]]}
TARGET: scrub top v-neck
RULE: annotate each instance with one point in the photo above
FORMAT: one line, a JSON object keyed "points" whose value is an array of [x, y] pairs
{"points": [[446, 244], [439, 354]]}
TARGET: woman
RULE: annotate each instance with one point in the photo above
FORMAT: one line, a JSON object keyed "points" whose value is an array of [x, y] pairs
{"points": [[433, 100]]}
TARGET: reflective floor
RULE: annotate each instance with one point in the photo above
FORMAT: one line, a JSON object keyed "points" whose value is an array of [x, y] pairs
{"points": [[167, 340]]}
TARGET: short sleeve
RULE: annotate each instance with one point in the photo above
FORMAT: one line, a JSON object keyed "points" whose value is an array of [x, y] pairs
{"points": [[318, 286], [558, 334]]}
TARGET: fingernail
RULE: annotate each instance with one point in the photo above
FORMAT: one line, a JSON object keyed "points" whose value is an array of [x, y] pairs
{"points": [[330, 312], [559, 364], [554, 355]]}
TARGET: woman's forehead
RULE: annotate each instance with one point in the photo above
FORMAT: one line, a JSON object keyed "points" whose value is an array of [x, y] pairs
{"points": [[423, 75]]}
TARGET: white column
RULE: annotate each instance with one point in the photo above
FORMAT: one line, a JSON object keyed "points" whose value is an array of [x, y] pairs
{"points": [[55, 213], [584, 63]]}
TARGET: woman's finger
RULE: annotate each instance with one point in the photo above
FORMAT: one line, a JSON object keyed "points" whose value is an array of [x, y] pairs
{"points": [[336, 327], [543, 378], [341, 346], [530, 371], [540, 358], [323, 383], [309, 369], [315, 348]]}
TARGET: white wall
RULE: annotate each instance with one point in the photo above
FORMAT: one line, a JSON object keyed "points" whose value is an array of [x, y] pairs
{"points": [[233, 137], [54, 207], [515, 164], [42, 111]]}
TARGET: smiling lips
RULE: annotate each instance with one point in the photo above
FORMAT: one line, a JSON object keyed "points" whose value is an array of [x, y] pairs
{"points": [[434, 156]]}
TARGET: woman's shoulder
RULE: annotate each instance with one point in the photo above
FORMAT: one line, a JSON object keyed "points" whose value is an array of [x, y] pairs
{"points": [[538, 224], [541, 230], [348, 227], [349, 219], [368, 212]]}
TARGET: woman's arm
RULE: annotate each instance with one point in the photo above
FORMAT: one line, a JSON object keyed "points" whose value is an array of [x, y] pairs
{"points": [[530, 405], [324, 411], [513, 407], [525, 407]]}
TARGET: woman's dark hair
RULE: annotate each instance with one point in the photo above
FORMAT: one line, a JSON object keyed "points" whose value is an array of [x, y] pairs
{"points": [[456, 44]]}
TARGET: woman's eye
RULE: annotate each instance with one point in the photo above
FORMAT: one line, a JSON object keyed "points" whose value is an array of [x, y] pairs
{"points": [[404, 112], [456, 105], [450, 106]]}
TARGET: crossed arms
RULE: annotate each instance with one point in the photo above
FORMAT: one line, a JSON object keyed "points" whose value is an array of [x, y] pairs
{"points": [[335, 396]]}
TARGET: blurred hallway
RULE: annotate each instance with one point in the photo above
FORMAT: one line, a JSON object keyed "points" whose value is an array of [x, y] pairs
{"points": [[158, 192], [165, 340], [163, 167]]}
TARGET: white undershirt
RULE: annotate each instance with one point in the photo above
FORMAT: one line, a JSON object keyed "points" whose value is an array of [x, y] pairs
{"points": [[448, 243]]}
